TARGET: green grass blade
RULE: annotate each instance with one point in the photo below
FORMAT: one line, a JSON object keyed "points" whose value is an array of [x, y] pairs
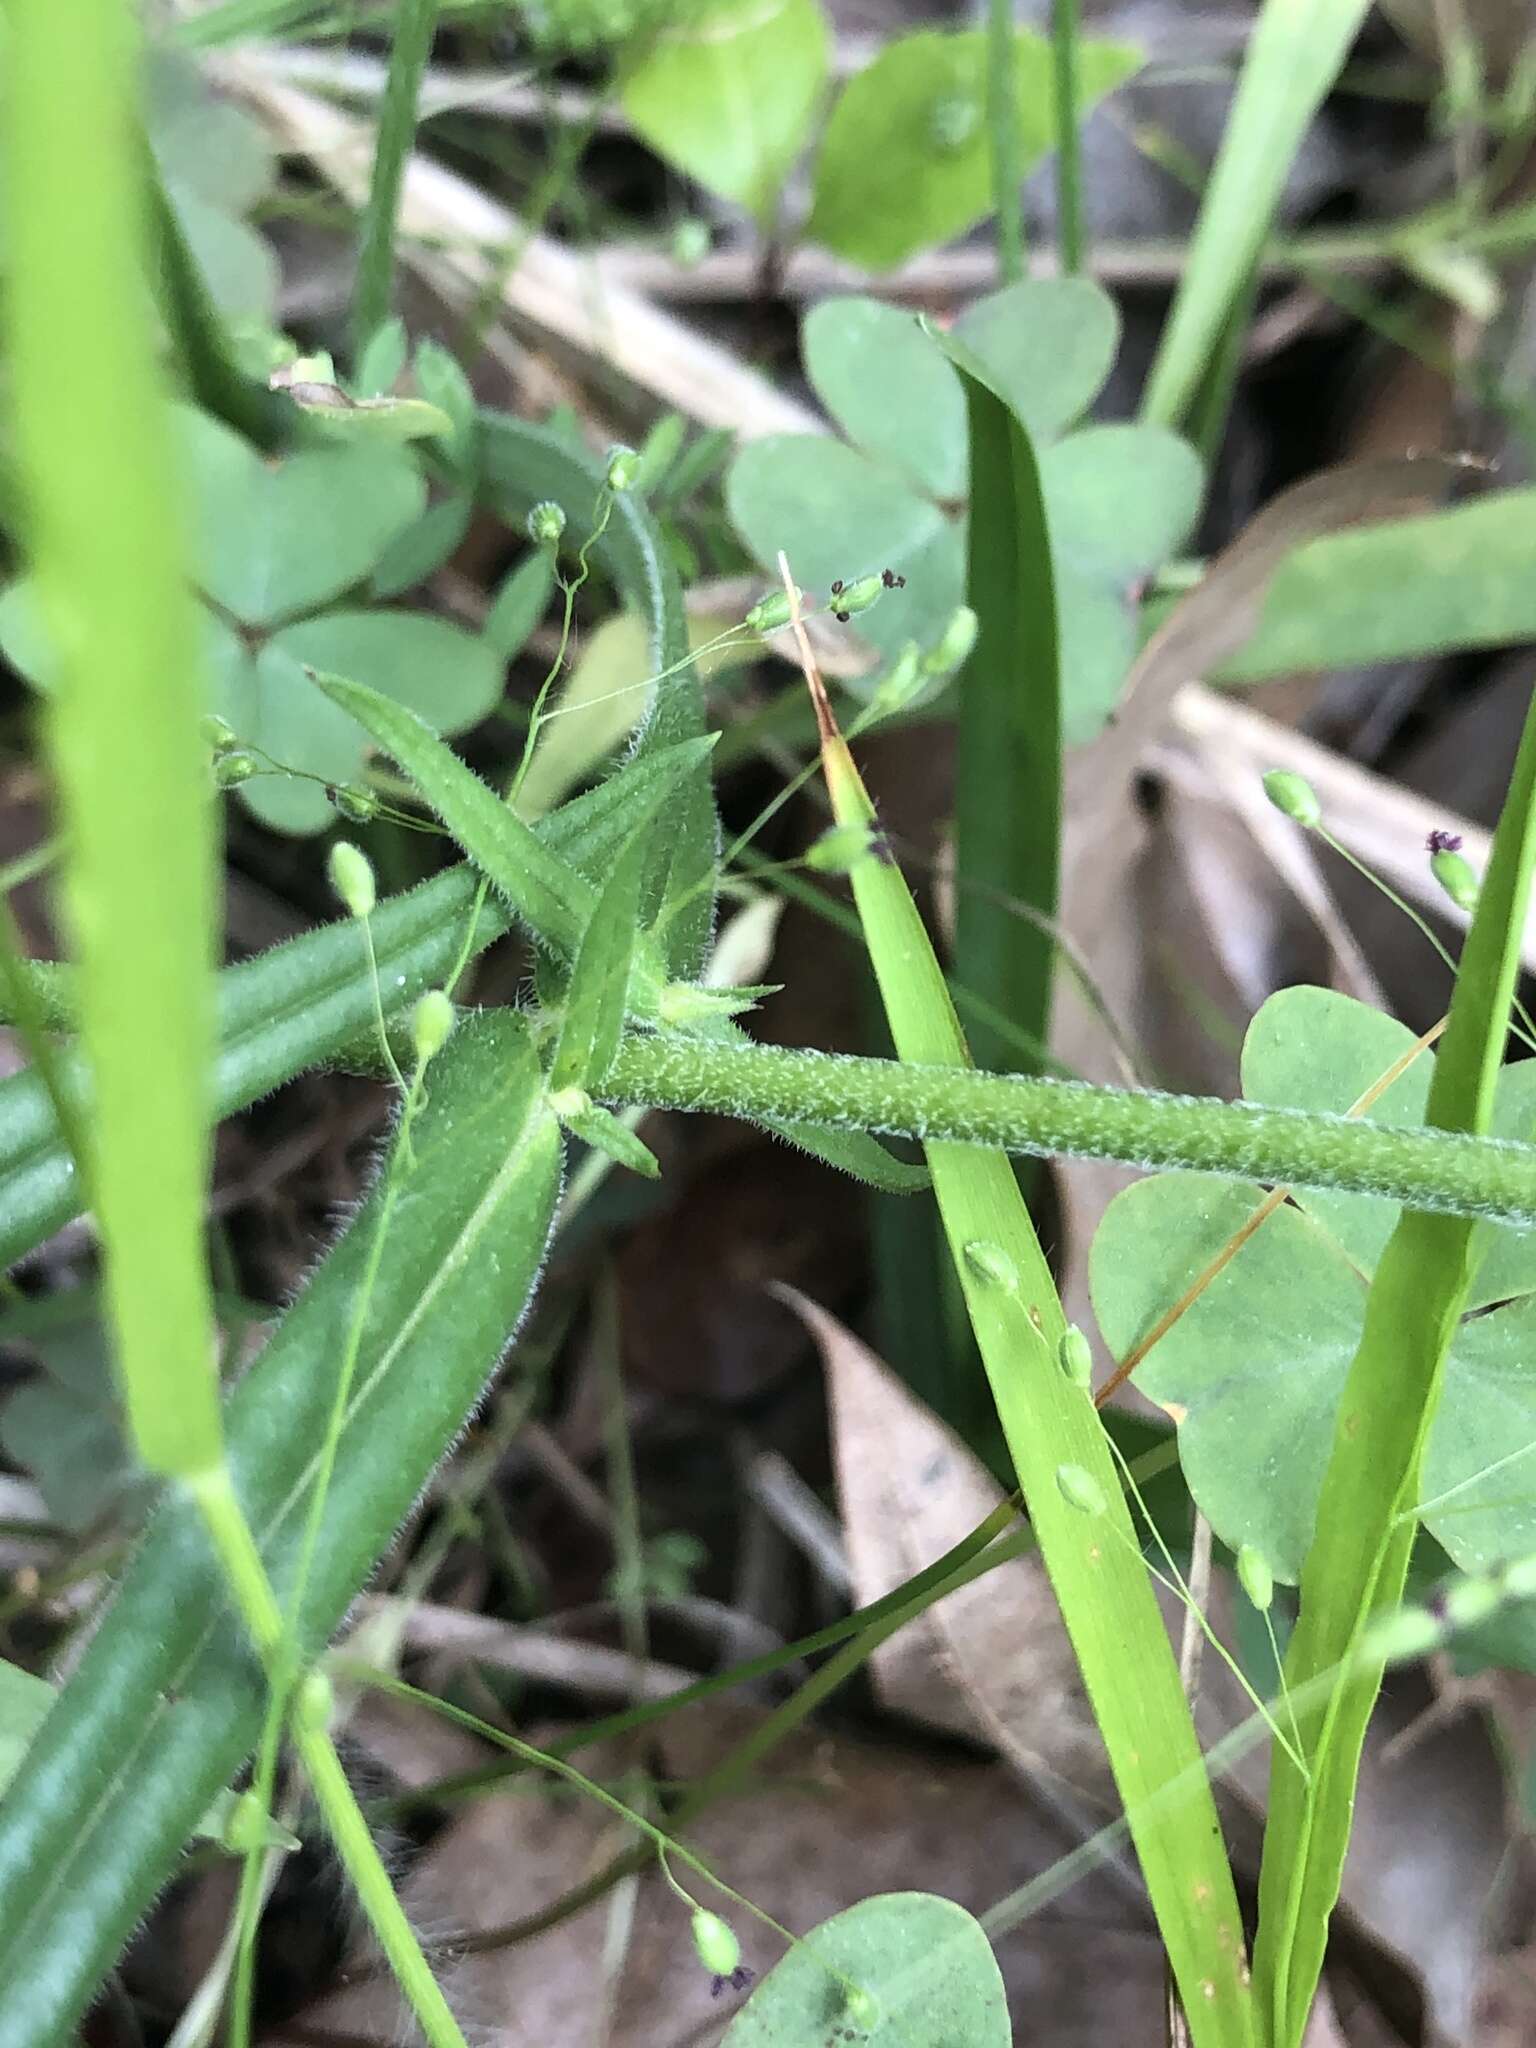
{"points": [[550, 896], [168, 1698], [1357, 1566], [410, 47], [596, 999], [522, 465], [1008, 756], [1294, 54], [1093, 1557], [104, 523]]}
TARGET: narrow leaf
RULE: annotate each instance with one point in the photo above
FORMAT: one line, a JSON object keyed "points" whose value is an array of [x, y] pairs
{"points": [[1093, 1558], [1294, 55], [597, 995], [167, 1699], [1357, 1566], [105, 527], [1008, 766], [552, 899]]}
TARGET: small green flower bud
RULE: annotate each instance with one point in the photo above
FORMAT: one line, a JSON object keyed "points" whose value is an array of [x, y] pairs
{"points": [[218, 732], [1520, 1579], [1294, 796], [314, 1702], [235, 766], [849, 598], [246, 1829], [351, 874], [859, 2008], [835, 852], [1074, 1354], [715, 1940], [1454, 873], [953, 647], [770, 612], [431, 1023], [354, 800], [900, 683], [1397, 1638], [1255, 1577], [546, 523], [990, 1264], [570, 1102], [623, 468], [1472, 1601], [1080, 1490], [690, 242]]}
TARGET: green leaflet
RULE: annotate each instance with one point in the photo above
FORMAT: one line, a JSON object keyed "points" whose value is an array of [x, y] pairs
{"points": [[167, 1700], [923, 1965], [597, 996]]}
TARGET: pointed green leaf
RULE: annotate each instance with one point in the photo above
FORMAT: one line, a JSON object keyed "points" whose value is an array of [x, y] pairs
{"points": [[596, 999], [552, 898], [166, 1701]]}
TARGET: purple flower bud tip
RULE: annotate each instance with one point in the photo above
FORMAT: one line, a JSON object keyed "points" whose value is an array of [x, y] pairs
{"points": [[1443, 842], [738, 1980]]}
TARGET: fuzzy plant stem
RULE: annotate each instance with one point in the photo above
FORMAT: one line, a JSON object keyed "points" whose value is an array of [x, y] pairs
{"points": [[1434, 1170]]}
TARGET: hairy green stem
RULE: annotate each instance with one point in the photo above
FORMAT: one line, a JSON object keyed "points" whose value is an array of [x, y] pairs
{"points": [[1434, 1170]]}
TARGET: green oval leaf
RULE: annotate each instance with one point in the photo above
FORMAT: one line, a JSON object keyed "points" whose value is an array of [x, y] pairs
{"points": [[904, 1970], [905, 163]]}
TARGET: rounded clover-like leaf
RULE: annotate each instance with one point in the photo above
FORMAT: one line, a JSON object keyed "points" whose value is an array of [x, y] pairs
{"points": [[837, 513], [905, 162], [1119, 498], [903, 1970], [272, 543], [1049, 344], [889, 389], [437, 670], [1254, 1367], [1252, 1371]]}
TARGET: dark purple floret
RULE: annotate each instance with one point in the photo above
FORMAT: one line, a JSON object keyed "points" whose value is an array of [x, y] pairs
{"points": [[738, 1980], [1443, 842]]}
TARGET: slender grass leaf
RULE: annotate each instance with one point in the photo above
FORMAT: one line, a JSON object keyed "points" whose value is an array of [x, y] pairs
{"points": [[1008, 749], [104, 525], [1093, 1558], [410, 47], [1357, 1566], [1294, 54], [168, 1700]]}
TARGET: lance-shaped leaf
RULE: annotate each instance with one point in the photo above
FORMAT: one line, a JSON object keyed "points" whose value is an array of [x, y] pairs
{"points": [[1066, 1472], [168, 1699], [597, 995]]}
